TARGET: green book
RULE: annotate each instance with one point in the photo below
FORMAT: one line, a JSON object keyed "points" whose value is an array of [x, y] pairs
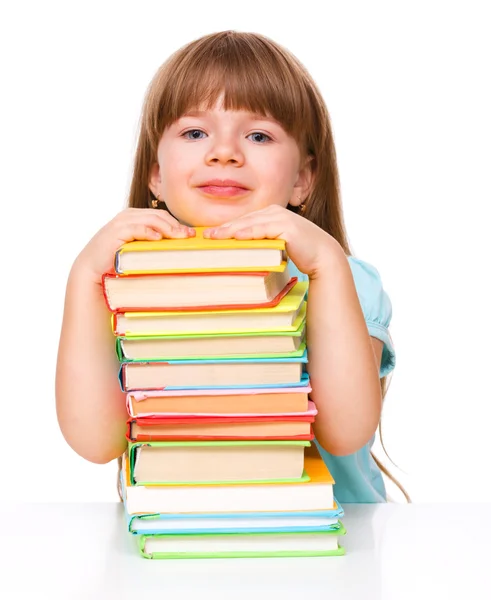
{"points": [[217, 462], [150, 348], [242, 545]]}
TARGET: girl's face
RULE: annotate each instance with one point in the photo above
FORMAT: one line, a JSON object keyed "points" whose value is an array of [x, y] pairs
{"points": [[216, 165]]}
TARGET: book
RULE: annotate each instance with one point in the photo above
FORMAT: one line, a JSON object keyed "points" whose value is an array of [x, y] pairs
{"points": [[153, 375], [242, 545], [184, 462], [314, 494], [264, 523], [189, 254], [225, 345], [139, 430], [288, 315], [197, 290], [225, 401], [222, 427], [247, 522]]}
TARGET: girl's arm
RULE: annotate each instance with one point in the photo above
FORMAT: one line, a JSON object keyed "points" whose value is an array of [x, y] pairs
{"points": [[89, 403], [342, 365], [343, 368]]}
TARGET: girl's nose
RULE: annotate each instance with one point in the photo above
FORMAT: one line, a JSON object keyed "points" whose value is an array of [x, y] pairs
{"points": [[225, 151]]}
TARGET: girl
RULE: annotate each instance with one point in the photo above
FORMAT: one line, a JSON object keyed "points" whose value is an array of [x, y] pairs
{"points": [[236, 137]]}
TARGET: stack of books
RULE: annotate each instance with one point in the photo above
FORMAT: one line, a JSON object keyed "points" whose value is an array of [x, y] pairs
{"points": [[211, 337]]}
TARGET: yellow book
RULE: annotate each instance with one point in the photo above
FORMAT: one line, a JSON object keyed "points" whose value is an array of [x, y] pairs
{"points": [[288, 316], [187, 255], [317, 493]]}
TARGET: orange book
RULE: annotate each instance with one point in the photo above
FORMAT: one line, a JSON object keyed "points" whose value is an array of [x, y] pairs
{"points": [[269, 426], [315, 494]]}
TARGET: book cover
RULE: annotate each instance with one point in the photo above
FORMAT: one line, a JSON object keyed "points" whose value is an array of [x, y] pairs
{"points": [[266, 415], [283, 282], [300, 353], [216, 255], [317, 493], [179, 347], [235, 522], [222, 427], [220, 430], [231, 320], [158, 373], [242, 545], [303, 381], [151, 403], [214, 453]]}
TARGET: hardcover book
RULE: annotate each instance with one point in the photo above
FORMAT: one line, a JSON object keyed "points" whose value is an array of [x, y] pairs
{"points": [[287, 315], [314, 493], [189, 254], [195, 291]]}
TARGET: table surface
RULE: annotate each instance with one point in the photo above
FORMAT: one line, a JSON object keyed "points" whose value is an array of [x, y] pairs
{"points": [[393, 551]]}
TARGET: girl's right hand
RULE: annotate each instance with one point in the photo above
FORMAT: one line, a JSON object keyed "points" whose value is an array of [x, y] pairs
{"points": [[130, 224]]}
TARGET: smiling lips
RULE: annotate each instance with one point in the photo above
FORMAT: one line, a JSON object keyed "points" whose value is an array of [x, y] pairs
{"points": [[224, 188]]}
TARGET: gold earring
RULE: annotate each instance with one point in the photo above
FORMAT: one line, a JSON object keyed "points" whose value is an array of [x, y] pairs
{"points": [[155, 201]]}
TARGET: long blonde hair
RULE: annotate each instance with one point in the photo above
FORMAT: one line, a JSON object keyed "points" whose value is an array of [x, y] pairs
{"points": [[256, 74]]}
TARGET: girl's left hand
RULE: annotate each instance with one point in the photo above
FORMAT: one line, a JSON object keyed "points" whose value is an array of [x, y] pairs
{"points": [[307, 245]]}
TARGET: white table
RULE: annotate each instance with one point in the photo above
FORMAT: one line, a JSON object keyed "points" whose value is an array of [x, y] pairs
{"points": [[393, 551]]}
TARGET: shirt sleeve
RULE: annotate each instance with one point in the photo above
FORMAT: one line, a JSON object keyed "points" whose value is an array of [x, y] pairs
{"points": [[377, 308]]}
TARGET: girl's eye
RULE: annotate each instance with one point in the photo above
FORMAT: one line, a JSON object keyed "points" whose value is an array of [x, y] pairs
{"points": [[193, 133], [258, 135]]}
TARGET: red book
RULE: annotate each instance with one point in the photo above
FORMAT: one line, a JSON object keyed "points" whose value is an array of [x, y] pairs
{"points": [[195, 291], [278, 426]]}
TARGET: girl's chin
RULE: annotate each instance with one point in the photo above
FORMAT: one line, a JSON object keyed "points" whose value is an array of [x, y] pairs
{"points": [[214, 220], [200, 222]]}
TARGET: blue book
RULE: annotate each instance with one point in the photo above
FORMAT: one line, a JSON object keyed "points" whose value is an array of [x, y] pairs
{"points": [[214, 374], [302, 521]]}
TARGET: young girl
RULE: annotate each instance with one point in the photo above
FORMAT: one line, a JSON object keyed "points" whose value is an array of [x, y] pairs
{"points": [[236, 137]]}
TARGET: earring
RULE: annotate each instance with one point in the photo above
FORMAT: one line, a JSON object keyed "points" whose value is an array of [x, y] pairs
{"points": [[155, 201]]}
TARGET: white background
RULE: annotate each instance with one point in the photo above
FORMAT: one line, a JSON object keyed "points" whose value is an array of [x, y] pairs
{"points": [[408, 89]]}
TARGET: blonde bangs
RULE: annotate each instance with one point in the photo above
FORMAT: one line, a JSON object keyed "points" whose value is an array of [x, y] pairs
{"points": [[248, 72]]}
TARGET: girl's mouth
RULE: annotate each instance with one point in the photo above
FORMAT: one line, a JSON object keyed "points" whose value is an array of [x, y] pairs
{"points": [[223, 191]]}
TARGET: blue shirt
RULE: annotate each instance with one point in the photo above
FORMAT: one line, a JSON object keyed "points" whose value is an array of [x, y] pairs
{"points": [[357, 476]]}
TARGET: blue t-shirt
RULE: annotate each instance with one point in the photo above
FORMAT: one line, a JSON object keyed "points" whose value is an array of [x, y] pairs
{"points": [[357, 476]]}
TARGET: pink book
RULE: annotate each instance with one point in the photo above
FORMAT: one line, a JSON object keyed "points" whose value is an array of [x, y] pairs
{"points": [[219, 402]]}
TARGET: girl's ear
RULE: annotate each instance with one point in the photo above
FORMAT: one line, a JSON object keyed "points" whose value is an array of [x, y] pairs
{"points": [[154, 179], [303, 184]]}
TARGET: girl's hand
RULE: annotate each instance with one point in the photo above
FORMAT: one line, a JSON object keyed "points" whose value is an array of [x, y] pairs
{"points": [[130, 224], [307, 245]]}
